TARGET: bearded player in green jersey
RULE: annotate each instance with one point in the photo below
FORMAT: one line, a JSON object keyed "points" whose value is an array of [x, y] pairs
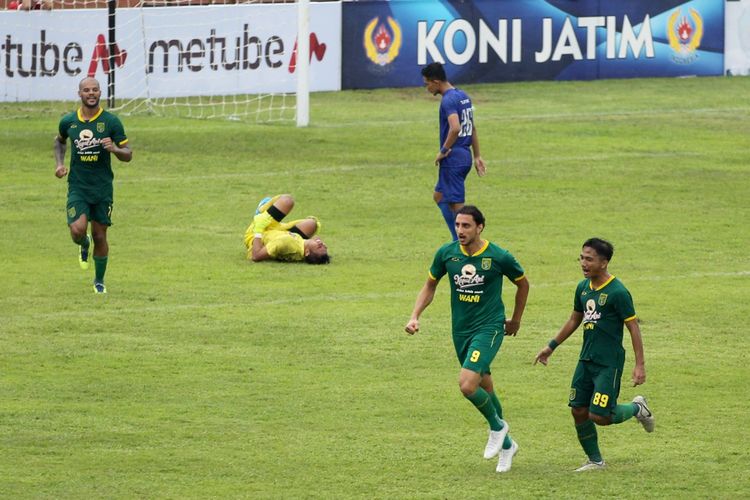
{"points": [[95, 135], [476, 268], [604, 305]]}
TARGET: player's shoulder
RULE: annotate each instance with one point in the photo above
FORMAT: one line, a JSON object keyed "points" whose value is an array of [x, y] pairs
{"points": [[498, 252], [617, 286], [583, 285], [449, 248], [109, 116], [69, 117]]}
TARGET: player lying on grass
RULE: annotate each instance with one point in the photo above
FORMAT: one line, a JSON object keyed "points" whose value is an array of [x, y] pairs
{"points": [[268, 237]]}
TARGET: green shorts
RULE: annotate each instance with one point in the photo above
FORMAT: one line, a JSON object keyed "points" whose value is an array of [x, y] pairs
{"points": [[78, 204], [596, 386], [476, 352]]}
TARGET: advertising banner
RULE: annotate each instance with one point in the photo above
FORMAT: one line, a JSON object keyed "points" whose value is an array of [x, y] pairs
{"points": [[386, 43], [167, 51], [737, 53]]}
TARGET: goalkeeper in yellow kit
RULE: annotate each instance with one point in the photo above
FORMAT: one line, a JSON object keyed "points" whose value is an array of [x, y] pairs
{"points": [[268, 237]]}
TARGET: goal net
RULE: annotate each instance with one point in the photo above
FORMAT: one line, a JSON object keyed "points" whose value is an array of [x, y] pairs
{"points": [[191, 58]]}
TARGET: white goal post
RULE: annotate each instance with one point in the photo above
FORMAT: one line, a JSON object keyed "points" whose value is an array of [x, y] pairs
{"points": [[236, 61]]}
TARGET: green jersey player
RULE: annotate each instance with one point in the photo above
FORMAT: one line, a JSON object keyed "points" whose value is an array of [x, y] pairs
{"points": [[94, 135], [603, 305], [475, 269]]}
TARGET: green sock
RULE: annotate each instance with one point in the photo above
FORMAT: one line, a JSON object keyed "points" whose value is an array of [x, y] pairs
{"points": [[507, 443], [589, 440], [483, 402], [101, 267], [84, 242], [624, 412]]}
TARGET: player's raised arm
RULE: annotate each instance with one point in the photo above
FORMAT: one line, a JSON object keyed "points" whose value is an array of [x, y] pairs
{"points": [[423, 300], [566, 331]]}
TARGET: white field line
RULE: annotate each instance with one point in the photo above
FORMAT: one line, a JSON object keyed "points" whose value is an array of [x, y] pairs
{"points": [[396, 165], [344, 297]]}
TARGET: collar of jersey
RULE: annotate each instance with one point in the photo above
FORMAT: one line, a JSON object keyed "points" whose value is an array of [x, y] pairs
{"points": [[484, 247], [84, 120], [603, 285]]}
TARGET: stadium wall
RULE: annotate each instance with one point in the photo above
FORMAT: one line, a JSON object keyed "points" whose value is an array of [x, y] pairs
{"points": [[385, 43], [167, 51], [737, 45]]}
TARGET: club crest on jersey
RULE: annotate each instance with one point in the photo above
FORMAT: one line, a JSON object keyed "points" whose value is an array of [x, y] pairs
{"points": [[602, 299], [100, 127], [486, 264], [468, 277], [590, 315], [382, 43]]}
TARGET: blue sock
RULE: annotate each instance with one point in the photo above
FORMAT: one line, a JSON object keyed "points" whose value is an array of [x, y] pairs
{"points": [[450, 218]]}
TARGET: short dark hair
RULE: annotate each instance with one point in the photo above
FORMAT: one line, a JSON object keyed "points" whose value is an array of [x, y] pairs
{"points": [[474, 212], [311, 258], [434, 71], [603, 248]]}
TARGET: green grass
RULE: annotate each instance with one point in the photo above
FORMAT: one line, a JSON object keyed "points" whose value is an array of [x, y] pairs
{"points": [[203, 375]]}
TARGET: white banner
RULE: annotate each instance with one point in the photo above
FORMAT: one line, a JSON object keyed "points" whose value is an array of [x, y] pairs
{"points": [[167, 51], [737, 38]]}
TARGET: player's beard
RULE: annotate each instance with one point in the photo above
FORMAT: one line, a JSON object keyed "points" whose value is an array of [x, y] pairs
{"points": [[86, 104]]}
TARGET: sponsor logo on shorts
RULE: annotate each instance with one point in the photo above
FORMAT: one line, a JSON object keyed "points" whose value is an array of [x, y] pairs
{"points": [[72, 212], [572, 394]]}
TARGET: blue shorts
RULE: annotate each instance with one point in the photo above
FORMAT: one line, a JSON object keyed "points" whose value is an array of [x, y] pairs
{"points": [[451, 183]]}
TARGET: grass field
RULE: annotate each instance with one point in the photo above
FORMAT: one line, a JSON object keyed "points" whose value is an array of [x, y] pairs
{"points": [[201, 374]]}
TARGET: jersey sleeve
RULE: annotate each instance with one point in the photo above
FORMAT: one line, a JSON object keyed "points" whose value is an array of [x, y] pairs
{"points": [[510, 267], [438, 270], [62, 127], [577, 306], [624, 305], [118, 132]]}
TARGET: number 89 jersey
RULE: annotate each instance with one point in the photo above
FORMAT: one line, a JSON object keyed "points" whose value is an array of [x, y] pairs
{"points": [[476, 283]]}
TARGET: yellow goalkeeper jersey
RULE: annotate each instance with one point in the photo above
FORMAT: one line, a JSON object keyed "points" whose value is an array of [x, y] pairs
{"points": [[284, 245]]}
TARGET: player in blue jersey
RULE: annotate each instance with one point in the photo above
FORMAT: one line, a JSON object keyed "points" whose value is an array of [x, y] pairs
{"points": [[458, 139]]}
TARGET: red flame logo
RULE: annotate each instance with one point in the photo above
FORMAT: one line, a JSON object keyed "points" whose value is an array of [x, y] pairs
{"points": [[684, 30]]}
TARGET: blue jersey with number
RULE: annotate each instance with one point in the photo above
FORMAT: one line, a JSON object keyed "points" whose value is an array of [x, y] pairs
{"points": [[456, 101]]}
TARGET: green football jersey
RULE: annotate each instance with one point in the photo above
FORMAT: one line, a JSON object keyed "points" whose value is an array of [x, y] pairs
{"points": [[476, 283], [605, 311], [90, 164]]}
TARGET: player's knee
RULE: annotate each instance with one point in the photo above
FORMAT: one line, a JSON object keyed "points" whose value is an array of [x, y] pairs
{"points": [[78, 230], [599, 419], [467, 387], [99, 237], [579, 413], [285, 203], [437, 196]]}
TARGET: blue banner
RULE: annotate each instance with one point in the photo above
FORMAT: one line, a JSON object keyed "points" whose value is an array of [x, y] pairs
{"points": [[386, 43]]}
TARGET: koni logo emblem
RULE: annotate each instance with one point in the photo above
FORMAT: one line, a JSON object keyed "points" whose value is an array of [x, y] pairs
{"points": [[685, 35], [382, 41]]}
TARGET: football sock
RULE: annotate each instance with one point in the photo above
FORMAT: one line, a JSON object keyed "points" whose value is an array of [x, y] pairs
{"points": [[450, 218], [589, 440], [482, 401], [277, 214], [100, 263], [507, 443], [84, 242], [295, 229], [624, 412]]}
